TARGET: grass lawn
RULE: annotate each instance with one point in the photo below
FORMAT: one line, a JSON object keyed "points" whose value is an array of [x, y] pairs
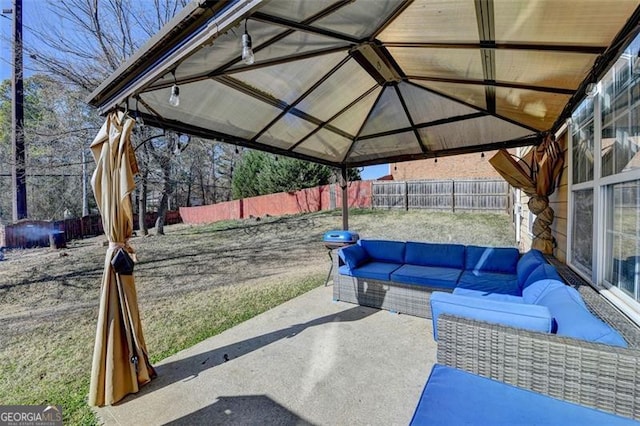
{"points": [[192, 283]]}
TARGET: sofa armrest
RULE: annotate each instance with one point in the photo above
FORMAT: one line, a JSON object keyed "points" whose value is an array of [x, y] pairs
{"points": [[596, 375], [531, 317]]}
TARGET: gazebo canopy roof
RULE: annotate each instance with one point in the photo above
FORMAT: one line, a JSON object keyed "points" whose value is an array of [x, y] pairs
{"points": [[360, 82]]}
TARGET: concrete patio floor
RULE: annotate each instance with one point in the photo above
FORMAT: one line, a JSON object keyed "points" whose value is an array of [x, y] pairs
{"points": [[307, 361]]}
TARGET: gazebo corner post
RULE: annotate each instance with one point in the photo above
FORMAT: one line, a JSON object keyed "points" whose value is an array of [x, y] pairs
{"points": [[344, 183]]}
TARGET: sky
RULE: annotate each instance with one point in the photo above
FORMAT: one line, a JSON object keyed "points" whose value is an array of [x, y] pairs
{"points": [[374, 172], [30, 15]]}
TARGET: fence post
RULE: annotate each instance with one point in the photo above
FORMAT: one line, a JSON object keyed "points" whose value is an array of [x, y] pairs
{"points": [[406, 195], [453, 196], [332, 196]]}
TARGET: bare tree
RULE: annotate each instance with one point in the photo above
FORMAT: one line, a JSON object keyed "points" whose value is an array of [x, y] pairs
{"points": [[57, 129], [84, 41]]}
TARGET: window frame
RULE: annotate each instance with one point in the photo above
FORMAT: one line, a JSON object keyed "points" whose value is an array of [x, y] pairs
{"points": [[600, 185]]}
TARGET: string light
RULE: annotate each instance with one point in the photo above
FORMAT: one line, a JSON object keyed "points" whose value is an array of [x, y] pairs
{"points": [[174, 99], [247, 51]]}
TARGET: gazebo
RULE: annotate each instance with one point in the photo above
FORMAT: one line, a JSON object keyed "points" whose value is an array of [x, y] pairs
{"points": [[355, 83], [351, 83]]}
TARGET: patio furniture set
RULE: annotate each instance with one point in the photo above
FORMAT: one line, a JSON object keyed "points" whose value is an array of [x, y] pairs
{"points": [[516, 344]]}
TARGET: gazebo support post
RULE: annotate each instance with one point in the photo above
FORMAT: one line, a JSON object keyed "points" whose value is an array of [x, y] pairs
{"points": [[345, 197]]}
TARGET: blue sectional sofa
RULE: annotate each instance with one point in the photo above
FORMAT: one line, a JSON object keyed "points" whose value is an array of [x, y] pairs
{"points": [[493, 284], [400, 276], [444, 266]]}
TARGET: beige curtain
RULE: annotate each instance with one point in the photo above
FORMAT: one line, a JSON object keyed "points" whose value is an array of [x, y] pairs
{"points": [[120, 360], [514, 173], [537, 175]]}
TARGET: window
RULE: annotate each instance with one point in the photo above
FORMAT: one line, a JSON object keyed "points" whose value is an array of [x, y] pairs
{"points": [[605, 182], [619, 115], [582, 132], [582, 230], [622, 268]]}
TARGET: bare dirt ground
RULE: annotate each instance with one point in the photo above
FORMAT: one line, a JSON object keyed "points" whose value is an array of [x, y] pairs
{"points": [[42, 284]]}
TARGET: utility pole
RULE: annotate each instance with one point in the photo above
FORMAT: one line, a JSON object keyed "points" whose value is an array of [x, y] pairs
{"points": [[19, 175], [85, 199]]}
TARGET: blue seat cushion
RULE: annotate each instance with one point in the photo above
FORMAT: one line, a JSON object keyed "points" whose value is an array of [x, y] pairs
{"points": [[354, 255], [455, 397], [527, 264], [491, 259], [487, 295], [491, 282], [431, 276], [432, 254], [384, 251], [375, 270], [520, 315], [542, 272], [574, 319]]}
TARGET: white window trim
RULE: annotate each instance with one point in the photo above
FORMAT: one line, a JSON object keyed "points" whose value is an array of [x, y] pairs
{"points": [[619, 298]]}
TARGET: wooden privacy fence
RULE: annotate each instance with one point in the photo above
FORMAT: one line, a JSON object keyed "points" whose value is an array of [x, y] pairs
{"points": [[325, 197], [35, 233], [446, 195]]}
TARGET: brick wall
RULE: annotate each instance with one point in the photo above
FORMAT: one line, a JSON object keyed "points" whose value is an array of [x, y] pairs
{"points": [[467, 166]]}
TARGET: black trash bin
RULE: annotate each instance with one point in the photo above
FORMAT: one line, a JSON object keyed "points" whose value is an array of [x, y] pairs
{"points": [[57, 240]]}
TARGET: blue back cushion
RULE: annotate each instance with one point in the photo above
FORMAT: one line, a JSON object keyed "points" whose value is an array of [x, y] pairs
{"points": [[430, 254], [384, 251], [492, 259], [530, 317], [494, 282], [542, 272], [532, 293], [574, 319], [354, 256], [527, 264]]}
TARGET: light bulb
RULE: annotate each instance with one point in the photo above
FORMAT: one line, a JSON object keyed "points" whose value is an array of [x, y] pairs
{"points": [[174, 99], [247, 51], [139, 120]]}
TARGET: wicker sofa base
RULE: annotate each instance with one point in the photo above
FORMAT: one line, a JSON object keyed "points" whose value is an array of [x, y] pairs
{"points": [[591, 374], [388, 295]]}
